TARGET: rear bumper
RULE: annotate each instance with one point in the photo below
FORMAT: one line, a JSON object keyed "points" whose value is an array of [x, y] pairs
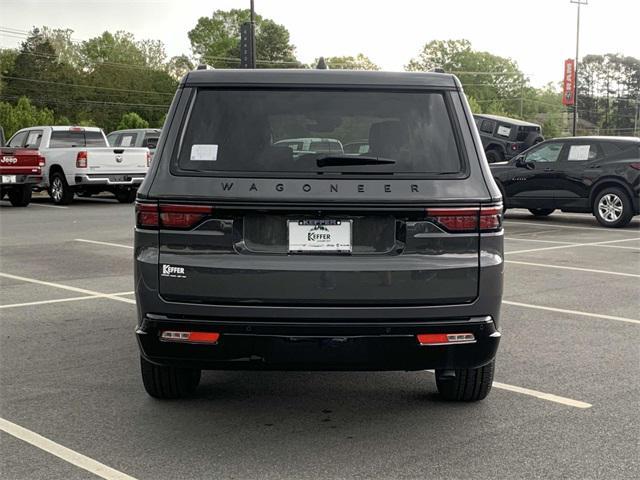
{"points": [[318, 345], [134, 179], [21, 180]]}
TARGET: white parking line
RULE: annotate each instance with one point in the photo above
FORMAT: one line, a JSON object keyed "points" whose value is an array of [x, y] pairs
{"points": [[48, 206], [578, 269], [61, 300], [542, 395], [572, 312], [67, 287], [538, 240], [572, 245], [535, 224], [108, 244], [66, 454]]}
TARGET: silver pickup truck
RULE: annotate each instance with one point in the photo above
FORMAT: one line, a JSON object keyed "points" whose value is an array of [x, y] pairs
{"points": [[78, 160]]}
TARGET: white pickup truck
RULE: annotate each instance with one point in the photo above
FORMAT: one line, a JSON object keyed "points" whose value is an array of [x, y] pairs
{"points": [[78, 160]]}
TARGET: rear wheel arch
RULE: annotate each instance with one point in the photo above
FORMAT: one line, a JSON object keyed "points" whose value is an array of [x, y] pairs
{"points": [[54, 169], [611, 182]]}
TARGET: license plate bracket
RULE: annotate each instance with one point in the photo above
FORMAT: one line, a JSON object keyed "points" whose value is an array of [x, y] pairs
{"points": [[319, 235]]}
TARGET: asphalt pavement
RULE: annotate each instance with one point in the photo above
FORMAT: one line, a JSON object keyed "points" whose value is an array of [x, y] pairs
{"points": [[72, 405]]}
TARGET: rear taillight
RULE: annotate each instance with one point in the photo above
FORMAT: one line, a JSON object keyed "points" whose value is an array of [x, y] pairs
{"points": [[514, 147], [41, 161], [467, 219], [81, 159], [148, 159], [147, 215], [425, 339], [189, 337], [175, 216], [635, 165]]}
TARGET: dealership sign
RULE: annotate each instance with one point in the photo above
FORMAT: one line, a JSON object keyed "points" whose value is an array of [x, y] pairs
{"points": [[568, 89]]}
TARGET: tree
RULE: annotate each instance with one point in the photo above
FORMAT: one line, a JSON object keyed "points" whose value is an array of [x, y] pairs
{"points": [[215, 41], [179, 66], [489, 79], [22, 115], [359, 62], [132, 120]]}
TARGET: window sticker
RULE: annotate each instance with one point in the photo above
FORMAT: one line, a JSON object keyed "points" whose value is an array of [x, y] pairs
{"points": [[504, 131], [126, 141], [204, 152], [579, 152], [32, 139]]}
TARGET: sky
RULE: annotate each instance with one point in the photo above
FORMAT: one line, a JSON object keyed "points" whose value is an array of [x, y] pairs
{"points": [[537, 34]]}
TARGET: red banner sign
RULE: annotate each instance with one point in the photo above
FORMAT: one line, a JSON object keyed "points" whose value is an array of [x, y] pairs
{"points": [[569, 82]]}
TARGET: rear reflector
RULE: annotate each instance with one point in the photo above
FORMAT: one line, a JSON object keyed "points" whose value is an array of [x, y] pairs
{"points": [[468, 219], [189, 337], [150, 215], [445, 338]]}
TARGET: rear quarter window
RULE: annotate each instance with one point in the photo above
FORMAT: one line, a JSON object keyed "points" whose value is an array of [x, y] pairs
{"points": [[288, 131]]}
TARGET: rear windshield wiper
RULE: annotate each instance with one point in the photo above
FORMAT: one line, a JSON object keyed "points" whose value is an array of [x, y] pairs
{"points": [[347, 160]]}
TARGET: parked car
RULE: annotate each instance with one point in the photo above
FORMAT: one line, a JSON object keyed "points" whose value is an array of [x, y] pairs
{"points": [[598, 175], [20, 170], [249, 258], [359, 147], [136, 137], [503, 138], [303, 146], [79, 161]]}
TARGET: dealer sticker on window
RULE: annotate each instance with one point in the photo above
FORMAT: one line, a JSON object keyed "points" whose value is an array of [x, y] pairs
{"points": [[320, 236]]}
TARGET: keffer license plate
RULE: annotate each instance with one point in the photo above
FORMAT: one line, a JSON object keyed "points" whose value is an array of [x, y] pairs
{"points": [[320, 236]]}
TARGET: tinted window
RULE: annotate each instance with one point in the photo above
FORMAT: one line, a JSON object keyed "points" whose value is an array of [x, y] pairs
{"points": [[248, 131], [582, 152], [95, 139], [66, 139], [549, 152], [150, 142], [112, 139], [17, 140]]}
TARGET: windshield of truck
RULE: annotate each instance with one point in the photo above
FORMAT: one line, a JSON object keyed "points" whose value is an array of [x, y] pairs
{"points": [[296, 130]]}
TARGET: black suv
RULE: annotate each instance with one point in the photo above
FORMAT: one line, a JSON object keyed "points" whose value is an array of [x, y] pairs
{"points": [[503, 138], [600, 175], [250, 255]]}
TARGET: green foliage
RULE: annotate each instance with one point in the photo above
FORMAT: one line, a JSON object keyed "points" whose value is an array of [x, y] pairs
{"points": [[608, 95], [216, 41], [132, 120], [22, 115], [359, 62]]}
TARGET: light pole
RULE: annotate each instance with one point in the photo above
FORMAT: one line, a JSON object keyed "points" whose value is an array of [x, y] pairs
{"points": [[575, 75]]}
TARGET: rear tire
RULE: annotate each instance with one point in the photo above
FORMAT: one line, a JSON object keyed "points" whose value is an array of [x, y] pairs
{"points": [[125, 196], [59, 190], [494, 156], [612, 208], [468, 384], [20, 196], [542, 212], [168, 382]]}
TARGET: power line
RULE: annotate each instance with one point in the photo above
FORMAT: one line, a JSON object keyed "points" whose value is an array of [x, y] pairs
{"points": [[33, 80], [42, 100]]}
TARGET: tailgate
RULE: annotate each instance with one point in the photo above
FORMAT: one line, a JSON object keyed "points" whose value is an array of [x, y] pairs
{"points": [[117, 160], [383, 257], [20, 161]]}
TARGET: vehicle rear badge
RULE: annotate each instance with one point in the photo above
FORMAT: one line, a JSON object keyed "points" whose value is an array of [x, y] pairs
{"points": [[173, 272], [119, 158]]}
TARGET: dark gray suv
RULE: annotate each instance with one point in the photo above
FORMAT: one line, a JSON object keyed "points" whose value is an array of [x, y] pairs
{"points": [[252, 255]]}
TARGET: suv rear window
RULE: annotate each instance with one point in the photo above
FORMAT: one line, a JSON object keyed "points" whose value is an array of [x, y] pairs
{"points": [[76, 138], [288, 131]]}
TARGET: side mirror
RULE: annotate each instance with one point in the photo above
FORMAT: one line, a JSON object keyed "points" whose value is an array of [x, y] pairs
{"points": [[521, 162]]}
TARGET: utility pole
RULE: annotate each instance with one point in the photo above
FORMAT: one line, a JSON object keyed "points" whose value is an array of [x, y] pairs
{"points": [[248, 42], [575, 75]]}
